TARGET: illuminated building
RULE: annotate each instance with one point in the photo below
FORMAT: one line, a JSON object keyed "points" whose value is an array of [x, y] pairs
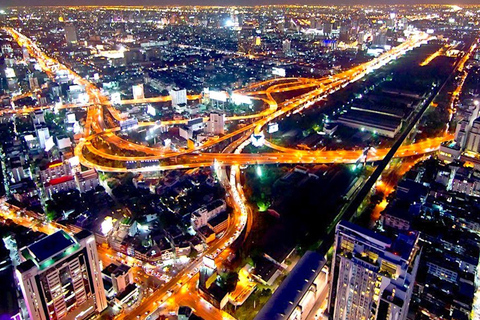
{"points": [[372, 276], [179, 97], [58, 185], [43, 134], [60, 277], [87, 180], [33, 83], [53, 170], [201, 216], [216, 123], [138, 92], [118, 277], [38, 117]]}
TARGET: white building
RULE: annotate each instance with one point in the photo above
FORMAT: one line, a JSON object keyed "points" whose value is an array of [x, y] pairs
{"points": [[473, 141], [372, 276], [60, 277], [138, 92], [178, 97], [64, 142], [38, 117], [216, 123], [53, 170], [119, 275], [33, 83], [87, 180], [286, 46], [201, 216], [43, 134]]}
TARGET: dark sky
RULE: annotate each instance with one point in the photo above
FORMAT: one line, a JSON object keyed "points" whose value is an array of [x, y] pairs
{"points": [[4, 3]]}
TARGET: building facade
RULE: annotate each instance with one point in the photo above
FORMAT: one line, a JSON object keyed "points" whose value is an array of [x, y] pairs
{"points": [[372, 276], [60, 277]]}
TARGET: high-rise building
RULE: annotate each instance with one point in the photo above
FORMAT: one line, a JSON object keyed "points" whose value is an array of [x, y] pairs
{"points": [[9, 305], [372, 276], [60, 277], [25, 53], [43, 134], [327, 28], [473, 141], [216, 123], [380, 38], [70, 34], [179, 97]]}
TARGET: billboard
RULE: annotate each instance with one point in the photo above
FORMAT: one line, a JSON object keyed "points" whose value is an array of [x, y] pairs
{"points": [[218, 95], [272, 127], [241, 99], [279, 71]]}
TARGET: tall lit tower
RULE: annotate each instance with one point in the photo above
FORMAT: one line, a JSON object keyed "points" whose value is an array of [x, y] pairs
{"points": [[60, 277], [372, 276], [70, 33]]}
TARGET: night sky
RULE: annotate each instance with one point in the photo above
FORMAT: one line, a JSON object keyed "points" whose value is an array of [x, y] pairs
{"points": [[4, 3]]}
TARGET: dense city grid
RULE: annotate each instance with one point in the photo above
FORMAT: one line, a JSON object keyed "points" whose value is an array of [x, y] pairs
{"points": [[264, 162]]}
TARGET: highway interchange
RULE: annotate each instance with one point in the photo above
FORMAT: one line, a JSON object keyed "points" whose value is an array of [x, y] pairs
{"points": [[98, 125]]}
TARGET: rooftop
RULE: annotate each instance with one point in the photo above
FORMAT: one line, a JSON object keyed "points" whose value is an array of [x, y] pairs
{"points": [[286, 297], [60, 180], [49, 246]]}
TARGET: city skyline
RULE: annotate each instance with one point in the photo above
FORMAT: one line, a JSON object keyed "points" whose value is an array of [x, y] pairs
{"points": [[250, 162], [12, 3]]}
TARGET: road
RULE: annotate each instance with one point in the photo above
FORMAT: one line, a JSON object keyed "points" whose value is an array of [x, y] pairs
{"points": [[102, 123]]}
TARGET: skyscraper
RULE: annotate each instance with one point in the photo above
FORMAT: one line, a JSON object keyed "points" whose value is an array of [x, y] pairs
{"points": [[60, 277], [70, 33], [372, 276]]}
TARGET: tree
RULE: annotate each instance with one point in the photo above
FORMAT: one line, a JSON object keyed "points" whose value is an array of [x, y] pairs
{"points": [[228, 281]]}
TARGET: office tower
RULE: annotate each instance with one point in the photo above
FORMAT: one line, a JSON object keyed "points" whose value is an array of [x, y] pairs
{"points": [[60, 277], [372, 276], [70, 34], [327, 28]]}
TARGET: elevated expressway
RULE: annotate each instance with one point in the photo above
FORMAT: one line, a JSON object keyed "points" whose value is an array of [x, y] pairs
{"points": [[98, 128], [93, 155]]}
